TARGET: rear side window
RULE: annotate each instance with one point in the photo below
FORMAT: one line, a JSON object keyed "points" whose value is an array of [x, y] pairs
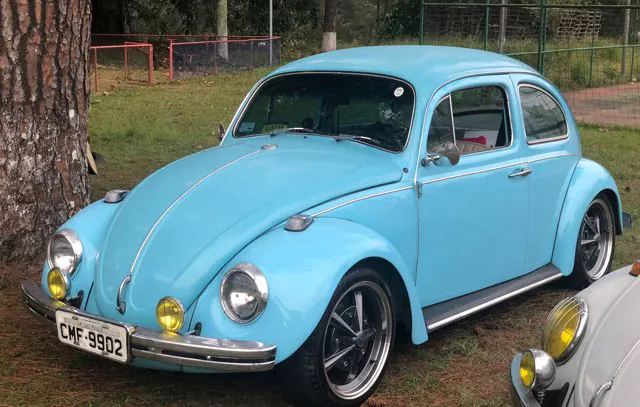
{"points": [[543, 117]]}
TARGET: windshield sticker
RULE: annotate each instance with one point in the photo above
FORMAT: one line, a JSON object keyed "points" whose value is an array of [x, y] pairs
{"points": [[269, 127], [247, 127], [398, 92]]}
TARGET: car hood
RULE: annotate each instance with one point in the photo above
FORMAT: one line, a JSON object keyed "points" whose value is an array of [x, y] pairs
{"points": [[176, 230], [610, 348]]}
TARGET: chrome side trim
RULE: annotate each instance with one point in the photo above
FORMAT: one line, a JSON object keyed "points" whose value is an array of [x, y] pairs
{"points": [[362, 198], [121, 306], [500, 167], [490, 303], [186, 350], [178, 199]]}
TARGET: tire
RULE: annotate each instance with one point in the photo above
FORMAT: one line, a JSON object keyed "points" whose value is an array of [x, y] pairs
{"points": [[595, 244], [340, 384]]}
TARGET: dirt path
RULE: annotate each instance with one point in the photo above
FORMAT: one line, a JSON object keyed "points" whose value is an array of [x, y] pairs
{"points": [[614, 105]]}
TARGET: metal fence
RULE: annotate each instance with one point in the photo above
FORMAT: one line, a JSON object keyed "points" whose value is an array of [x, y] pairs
{"points": [[130, 63], [592, 52], [195, 58]]}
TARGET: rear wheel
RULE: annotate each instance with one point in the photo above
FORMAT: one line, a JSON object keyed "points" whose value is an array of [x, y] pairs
{"points": [[344, 359], [596, 243]]}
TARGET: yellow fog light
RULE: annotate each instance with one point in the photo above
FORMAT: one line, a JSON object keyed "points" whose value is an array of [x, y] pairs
{"points": [[537, 370], [170, 314], [564, 328], [527, 370], [58, 283]]}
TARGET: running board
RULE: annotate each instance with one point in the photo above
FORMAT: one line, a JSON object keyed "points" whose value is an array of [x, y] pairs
{"points": [[441, 314]]}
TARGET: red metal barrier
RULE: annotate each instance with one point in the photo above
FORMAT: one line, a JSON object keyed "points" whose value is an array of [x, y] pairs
{"points": [[115, 61]]}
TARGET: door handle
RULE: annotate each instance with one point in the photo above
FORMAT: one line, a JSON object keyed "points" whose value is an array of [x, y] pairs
{"points": [[522, 173]]}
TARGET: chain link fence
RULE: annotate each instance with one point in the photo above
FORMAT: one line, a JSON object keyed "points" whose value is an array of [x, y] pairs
{"points": [[591, 52], [113, 65]]}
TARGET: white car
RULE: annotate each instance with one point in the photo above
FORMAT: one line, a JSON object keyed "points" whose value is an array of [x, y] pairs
{"points": [[590, 352]]}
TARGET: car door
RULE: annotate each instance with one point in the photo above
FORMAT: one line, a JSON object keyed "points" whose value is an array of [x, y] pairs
{"points": [[553, 151], [473, 216]]}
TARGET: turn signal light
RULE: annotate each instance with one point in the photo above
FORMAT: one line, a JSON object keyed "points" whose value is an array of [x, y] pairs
{"points": [[635, 269]]}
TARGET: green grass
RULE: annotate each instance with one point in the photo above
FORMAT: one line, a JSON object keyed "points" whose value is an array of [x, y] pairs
{"points": [[138, 131]]}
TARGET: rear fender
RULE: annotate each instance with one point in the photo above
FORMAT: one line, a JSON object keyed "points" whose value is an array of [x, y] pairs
{"points": [[303, 270], [588, 180]]}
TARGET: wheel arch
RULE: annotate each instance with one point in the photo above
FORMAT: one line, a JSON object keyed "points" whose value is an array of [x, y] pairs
{"points": [[392, 277], [588, 181]]}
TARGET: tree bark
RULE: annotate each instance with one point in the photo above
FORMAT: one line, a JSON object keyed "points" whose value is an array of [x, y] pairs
{"points": [[222, 29], [329, 41], [44, 89]]}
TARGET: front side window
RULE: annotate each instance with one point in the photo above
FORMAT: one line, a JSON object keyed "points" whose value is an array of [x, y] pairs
{"points": [[480, 117], [543, 117], [372, 109]]}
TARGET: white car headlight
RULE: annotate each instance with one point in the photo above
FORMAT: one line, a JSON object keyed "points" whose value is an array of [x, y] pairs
{"points": [[244, 293], [64, 251]]}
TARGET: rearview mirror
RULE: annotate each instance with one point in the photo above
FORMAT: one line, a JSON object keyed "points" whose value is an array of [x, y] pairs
{"points": [[221, 132]]}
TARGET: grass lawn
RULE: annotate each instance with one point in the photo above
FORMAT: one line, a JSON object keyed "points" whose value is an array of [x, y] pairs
{"points": [[139, 130]]}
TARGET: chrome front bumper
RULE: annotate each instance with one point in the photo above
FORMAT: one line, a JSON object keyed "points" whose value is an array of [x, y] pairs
{"points": [[520, 396], [187, 350]]}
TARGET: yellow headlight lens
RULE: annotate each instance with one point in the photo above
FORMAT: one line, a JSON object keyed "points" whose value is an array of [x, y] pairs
{"points": [[564, 327], [170, 314], [58, 284], [527, 370]]}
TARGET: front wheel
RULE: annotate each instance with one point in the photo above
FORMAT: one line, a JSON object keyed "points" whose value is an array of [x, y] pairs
{"points": [[596, 243], [343, 360]]}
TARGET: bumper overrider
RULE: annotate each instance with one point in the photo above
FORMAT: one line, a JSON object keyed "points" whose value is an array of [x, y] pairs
{"points": [[186, 350]]}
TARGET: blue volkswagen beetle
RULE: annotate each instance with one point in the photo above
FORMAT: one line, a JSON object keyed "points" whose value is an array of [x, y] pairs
{"points": [[354, 192]]}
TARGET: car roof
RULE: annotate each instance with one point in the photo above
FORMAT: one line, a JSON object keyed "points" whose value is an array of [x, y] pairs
{"points": [[422, 65]]}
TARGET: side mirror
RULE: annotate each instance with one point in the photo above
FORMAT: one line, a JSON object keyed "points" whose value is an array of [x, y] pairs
{"points": [[221, 132], [445, 155]]}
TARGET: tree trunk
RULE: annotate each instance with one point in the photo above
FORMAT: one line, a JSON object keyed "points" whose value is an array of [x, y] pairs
{"points": [[329, 40], [222, 29], [44, 88]]}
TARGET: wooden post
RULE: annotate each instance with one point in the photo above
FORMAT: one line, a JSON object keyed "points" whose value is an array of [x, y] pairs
{"points": [[503, 26], [151, 76], [170, 60], [126, 61], [625, 37], [95, 68]]}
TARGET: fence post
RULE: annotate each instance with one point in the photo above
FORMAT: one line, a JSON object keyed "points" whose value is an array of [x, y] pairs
{"points": [[422, 21], [592, 56], [170, 60], [126, 61], [625, 40], [635, 38], [151, 76], [542, 36], [95, 67], [486, 26]]}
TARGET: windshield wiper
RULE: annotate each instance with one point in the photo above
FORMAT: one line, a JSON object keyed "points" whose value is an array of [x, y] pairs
{"points": [[340, 137], [291, 130]]}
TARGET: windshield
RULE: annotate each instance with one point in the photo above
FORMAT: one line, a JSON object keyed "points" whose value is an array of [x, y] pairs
{"points": [[374, 110]]}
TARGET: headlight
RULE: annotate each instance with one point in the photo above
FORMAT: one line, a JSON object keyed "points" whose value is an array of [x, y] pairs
{"points": [[537, 370], [170, 314], [244, 293], [564, 328], [58, 284], [64, 251]]}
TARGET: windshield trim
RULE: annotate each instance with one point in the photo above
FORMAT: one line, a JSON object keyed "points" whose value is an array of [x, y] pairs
{"points": [[268, 79]]}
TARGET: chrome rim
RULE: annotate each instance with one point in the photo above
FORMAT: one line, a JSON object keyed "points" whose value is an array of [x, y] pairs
{"points": [[357, 340], [596, 239]]}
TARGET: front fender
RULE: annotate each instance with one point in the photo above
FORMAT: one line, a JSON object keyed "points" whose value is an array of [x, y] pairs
{"points": [[588, 180], [302, 269], [90, 224]]}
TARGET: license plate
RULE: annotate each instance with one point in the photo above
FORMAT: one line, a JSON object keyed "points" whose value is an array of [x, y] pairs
{"points": [[94, 336]]}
